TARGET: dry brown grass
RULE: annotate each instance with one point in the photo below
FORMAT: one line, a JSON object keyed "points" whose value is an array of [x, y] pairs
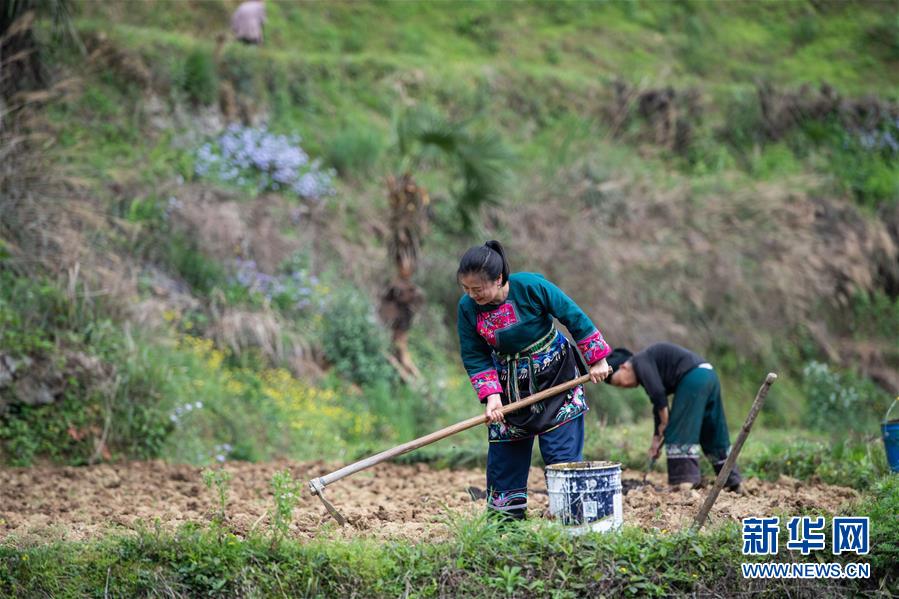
{"points": [[53, 227], [240, 330]]}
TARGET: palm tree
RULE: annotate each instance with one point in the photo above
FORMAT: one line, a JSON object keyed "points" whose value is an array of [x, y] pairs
{"points": [[479, 158]]}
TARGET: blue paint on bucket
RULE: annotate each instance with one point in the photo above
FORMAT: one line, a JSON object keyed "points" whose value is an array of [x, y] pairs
{"points": [[890, 429], [586, 495], [891, 443]]}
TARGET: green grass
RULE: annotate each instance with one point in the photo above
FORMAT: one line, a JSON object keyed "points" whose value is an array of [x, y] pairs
{"points": [[644, 39]]}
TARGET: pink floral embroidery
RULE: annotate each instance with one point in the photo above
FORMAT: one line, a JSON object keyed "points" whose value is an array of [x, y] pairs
{"points": [[486, 383], [594, 348], [496, 320]]}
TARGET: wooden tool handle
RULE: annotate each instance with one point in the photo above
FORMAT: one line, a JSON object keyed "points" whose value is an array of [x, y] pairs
{"points": [[319, 483], [734, 452]]}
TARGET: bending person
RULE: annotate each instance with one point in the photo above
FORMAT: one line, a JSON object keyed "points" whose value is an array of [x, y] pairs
{"points": [[511, 349], [696, 418]]}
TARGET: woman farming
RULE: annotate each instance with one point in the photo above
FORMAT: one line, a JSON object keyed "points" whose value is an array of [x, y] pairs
{"points": [[696, 419], [511, 350]]}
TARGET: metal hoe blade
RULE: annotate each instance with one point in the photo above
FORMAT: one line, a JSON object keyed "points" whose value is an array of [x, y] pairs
{"points": [[317, 488], [649, 465]]}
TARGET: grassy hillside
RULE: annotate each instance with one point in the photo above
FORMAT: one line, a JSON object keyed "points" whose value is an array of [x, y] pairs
{"points": [[846, 44], [717, 175]]}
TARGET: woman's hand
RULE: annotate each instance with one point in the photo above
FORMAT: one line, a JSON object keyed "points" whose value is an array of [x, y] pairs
{"points": [[494, 403], [600, 370], [656, 447]]}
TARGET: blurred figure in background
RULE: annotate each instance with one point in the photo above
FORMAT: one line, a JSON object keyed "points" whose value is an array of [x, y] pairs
{"points": [[247, 22]]}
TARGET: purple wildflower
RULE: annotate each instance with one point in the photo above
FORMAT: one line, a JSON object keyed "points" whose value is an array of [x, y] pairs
{"points": [[271, 162]]}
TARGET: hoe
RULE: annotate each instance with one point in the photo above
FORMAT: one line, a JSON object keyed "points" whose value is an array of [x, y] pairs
{"points": [[317, 485]]}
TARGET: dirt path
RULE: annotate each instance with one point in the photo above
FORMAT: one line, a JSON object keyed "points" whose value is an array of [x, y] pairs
{"points": [[43, 503]]}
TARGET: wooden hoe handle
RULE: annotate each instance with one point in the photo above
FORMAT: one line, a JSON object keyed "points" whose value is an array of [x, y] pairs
{"points": [[318, 484], [734, 452]]}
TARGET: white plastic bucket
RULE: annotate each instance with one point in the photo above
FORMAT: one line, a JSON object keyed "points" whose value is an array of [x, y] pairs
{"points": [[586, 495]]}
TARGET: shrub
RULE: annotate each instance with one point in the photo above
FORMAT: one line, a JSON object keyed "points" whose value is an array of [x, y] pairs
{"points": [[146, 210], [864, 161], [706, 156], [776, 160], [743, 128], [196, 269], [841, 402], [552, 54], [355, 151], [384, 399], [29, 311], [694, 50], [618, 406], [874, 314], [200, 81], [481, 30], [805, 29], [63, 431], [871, 177], [885, 36], [352, 340]]}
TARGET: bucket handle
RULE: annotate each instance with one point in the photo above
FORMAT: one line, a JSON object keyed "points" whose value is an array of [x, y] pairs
{"points": [[886, 417]]}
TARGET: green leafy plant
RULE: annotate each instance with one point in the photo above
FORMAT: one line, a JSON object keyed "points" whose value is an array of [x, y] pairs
{"points": [[479, 157], [885, 532], [481, 30], [509, 579], [841, 402], [352, 340], [885, 36], [856, 464], [219, 479], [200, 272], [24, 52], [355, 151], [287, 494], [200, 77]]}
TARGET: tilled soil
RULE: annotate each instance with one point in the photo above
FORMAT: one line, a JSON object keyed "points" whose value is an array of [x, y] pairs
{"points": [[389, 500]]}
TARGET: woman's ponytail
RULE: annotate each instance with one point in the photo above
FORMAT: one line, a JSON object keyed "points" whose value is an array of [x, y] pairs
{"points": [[488, 260], [498, 248]]}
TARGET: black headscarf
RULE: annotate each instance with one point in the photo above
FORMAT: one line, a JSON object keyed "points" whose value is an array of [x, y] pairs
{"points": [[619, 356]]}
